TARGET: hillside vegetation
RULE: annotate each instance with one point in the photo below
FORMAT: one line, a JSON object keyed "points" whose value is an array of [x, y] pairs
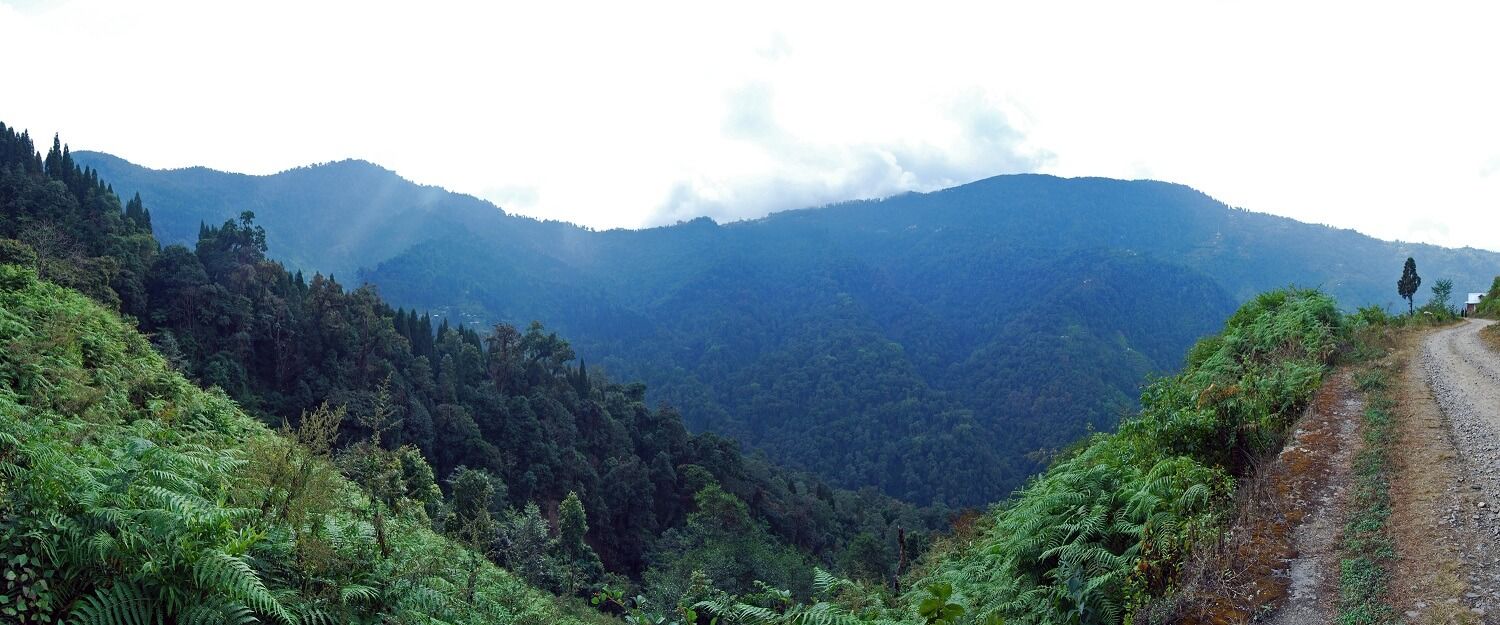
{"points": [[938, 346], [1105, 530], [412, 458], [1101, 536], [1489, 306], [169, 499], [563, 476], [128, 495]]}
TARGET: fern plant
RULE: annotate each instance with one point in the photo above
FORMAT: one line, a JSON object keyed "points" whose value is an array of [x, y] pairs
{"points": [[129, 496]]}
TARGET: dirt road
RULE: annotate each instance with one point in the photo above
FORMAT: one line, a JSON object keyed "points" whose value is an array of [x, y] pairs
{"points": [[1449, 490]]}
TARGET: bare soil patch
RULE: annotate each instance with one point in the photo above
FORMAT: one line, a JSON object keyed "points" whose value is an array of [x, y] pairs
{"points": [[1491, 336]]}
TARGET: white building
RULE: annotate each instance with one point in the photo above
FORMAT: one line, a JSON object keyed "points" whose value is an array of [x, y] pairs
{"points": [[1474, 299]]}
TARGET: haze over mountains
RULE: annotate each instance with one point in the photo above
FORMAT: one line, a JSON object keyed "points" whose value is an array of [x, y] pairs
{"points": [[959, 330]]}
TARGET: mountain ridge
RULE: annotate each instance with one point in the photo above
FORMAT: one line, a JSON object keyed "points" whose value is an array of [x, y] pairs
{"points": [[959, 315]]}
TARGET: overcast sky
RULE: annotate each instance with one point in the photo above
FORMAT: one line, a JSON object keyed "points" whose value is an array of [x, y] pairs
{"points": [[1383, 118]]}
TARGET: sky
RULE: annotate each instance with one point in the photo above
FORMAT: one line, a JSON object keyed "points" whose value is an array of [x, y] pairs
{"points": [[1382, 117]]}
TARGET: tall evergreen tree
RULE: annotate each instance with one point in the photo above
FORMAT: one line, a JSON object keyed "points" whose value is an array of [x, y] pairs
{"points": [[1409, 283]]}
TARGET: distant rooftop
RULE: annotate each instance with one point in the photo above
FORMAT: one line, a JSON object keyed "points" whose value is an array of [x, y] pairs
{"points": [[1474, 298]]}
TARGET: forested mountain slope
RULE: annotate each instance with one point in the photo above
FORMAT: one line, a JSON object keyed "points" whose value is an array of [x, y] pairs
{"points": [[129, 495], [201, 514], [332, 218], [506, 421], [926, 343]]}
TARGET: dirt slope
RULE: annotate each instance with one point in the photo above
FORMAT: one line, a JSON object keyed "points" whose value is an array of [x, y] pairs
{"points": [[1279, 557], [1280, 562], [1313, 569]]}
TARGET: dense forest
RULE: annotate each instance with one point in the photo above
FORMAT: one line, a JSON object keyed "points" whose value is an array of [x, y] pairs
{"points": [[938, 346], [508, 413], [128, 495], [822, 359], [505, 480], [333, 473]]}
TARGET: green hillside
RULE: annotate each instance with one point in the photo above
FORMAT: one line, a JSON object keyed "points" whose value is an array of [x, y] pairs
{"points": [[413, 459], [561, 475], [933, 345], [128, 495]]}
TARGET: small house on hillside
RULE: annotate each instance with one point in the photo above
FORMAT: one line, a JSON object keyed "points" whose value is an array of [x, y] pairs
{"points": [[1469, 306]]}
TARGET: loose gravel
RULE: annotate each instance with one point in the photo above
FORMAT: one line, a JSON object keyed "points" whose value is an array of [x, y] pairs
{"points": [[1464, 376]]}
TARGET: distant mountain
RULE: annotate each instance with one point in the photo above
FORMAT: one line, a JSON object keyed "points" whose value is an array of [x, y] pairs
{"points": [[333, 218], [926, 344]]}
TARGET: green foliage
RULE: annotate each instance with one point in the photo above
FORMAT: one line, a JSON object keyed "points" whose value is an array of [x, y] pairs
{"points": [[1440, 309], [69, 226], [1442, 295], [128, 495], [580, 565], [769, 605], [1407, 286], [392, 401], [1016, 311], [1371, 316], [869, 345], [1489, 306], [722, 541], [523, 543], [507, 402], [1108, 528], [1369, 550], [936, 609]]}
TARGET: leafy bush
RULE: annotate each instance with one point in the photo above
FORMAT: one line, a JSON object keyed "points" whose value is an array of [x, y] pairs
{"points": [[1489, 307]]}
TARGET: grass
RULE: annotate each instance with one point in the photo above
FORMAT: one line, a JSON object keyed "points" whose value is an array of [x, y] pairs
{"points": [[1369, 552], [1491, 336]]}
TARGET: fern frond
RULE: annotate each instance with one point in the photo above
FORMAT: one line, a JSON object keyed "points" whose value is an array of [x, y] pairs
{"points": [[119, 604], [218, 572]]}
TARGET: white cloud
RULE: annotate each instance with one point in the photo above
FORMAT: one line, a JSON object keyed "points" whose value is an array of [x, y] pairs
{"points": [[1373, 116], [788, 171]]}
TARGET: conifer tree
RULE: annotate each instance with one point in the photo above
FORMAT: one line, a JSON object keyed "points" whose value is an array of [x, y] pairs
{"points": [[1408, 284]]}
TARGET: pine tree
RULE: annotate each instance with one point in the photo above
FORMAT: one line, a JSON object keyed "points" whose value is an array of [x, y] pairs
{"points": [[424, 331], [581, 383], [1409, 283]]}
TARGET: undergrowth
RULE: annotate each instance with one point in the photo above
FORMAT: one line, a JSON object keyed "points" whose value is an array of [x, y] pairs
{"points": [[1106, 531], [128, 457], [1368, 551], [129, 495]]}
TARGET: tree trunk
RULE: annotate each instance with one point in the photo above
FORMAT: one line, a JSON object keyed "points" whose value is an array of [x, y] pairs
{"points": [[379, 523], [901, 559]]}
